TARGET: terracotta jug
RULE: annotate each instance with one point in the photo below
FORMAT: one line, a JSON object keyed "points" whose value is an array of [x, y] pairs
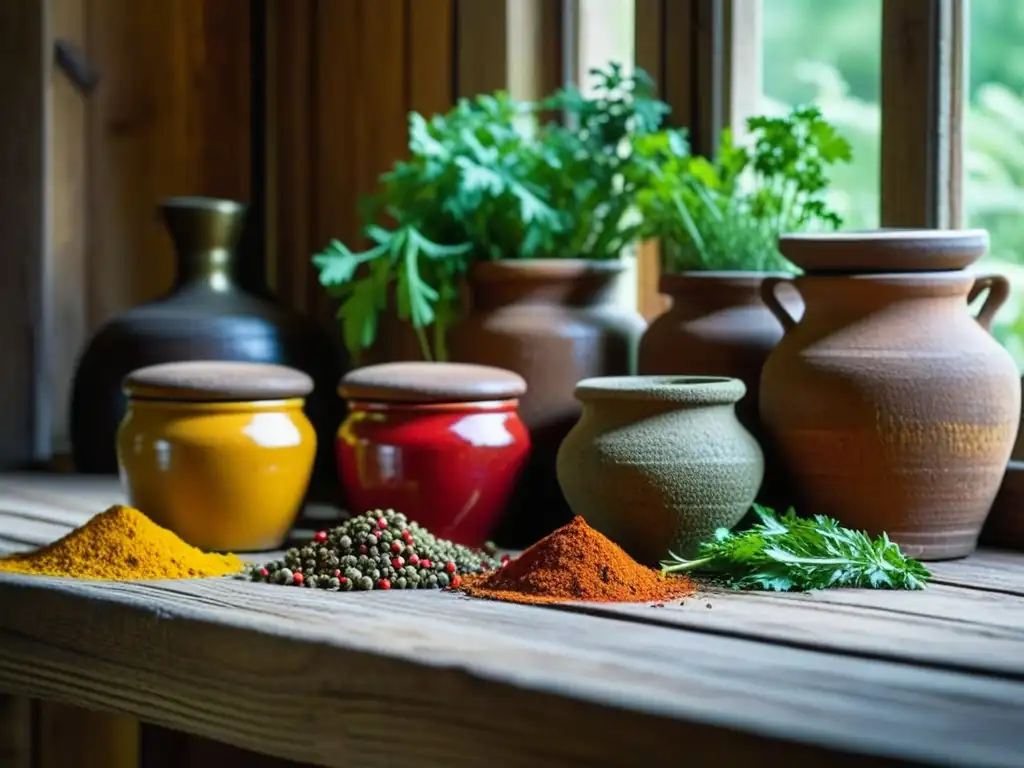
{"points": [[553, 322], [891, 407], [206, 315]]}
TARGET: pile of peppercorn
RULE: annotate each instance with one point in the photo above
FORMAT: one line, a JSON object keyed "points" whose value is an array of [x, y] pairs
{"points": [[376, 550]]}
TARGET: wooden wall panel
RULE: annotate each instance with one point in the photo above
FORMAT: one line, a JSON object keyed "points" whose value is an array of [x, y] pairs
{"points": [[170, 117], [430, 33], [24, 236], [344, 76], [67, 308]]}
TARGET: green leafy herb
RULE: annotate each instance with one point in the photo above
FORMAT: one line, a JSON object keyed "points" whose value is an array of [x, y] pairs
{"points": [[799, 554], [728, 212], [487, 181]]}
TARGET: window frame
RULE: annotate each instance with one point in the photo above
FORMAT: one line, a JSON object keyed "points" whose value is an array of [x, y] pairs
{"points": [[707, 58]]}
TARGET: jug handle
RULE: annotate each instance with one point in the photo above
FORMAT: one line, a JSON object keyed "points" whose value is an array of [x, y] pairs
{"points": [[771, 300], [998, 292]]}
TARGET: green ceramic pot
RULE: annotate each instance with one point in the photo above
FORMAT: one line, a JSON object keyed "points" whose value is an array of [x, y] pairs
{"points": [[657, 463]]}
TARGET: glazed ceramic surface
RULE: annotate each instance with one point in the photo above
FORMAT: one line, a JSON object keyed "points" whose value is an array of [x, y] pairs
{"points": [[223, 475], [442, 443], [892, 407], [553, 322], [658, 463], [209, 314]]}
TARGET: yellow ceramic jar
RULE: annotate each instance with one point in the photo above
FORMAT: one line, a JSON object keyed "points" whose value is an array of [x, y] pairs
{"points": [[220, 453]]}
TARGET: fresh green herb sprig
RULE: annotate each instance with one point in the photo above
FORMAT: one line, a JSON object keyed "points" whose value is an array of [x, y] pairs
{"points": [[727, 213], [800, 554], [591, 169], [488, 181]]}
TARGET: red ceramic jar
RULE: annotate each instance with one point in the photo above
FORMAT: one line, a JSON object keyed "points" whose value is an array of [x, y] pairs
{"points": [[440, 442]]}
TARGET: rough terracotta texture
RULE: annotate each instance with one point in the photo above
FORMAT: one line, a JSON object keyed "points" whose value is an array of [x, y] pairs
{"points": [[553, 322], [657, 463], [892, 407]]}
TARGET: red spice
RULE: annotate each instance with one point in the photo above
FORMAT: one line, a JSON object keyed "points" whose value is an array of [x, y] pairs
{"points": [[298, 578], [575, 564]]}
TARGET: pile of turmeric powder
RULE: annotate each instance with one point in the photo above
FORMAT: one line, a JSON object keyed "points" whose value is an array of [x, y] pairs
{"points": [[121, 544]]}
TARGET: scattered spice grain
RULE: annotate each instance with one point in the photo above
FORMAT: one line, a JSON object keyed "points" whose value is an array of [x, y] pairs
{"points": [[379, 549], [121, 544], [575, 564]]}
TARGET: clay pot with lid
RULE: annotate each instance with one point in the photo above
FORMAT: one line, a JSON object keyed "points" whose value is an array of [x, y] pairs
{"points": [[554, 322], [210, 313], [440, 442], [892, 408], [221, 453]]}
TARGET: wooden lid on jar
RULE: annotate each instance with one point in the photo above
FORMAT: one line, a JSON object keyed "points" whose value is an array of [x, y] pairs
{"points": [[431, 383], [217, 381]]}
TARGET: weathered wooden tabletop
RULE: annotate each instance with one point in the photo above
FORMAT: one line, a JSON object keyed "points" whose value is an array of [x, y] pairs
{"points": [[398, 678]]}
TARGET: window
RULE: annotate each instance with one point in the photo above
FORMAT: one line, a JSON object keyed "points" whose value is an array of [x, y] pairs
{"points": [[830, 53], [994, 156], [604, 33]]}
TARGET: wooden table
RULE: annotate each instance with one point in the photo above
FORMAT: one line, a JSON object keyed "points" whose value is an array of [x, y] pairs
{"points": [[403, 678]]}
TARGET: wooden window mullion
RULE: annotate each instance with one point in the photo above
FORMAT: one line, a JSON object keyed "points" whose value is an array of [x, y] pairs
{"points": [[922, 113]]}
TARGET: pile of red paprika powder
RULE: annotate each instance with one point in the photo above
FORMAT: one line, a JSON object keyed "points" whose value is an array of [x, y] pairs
{"points": [[575, 564]]}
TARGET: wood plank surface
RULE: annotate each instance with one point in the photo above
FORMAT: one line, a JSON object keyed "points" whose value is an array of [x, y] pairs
{"points": [[934, 676]]}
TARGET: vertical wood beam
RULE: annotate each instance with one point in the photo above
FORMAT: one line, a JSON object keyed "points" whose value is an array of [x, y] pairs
{"points": [[922, 93], [24, 230], [67, 309], [512, 45]]}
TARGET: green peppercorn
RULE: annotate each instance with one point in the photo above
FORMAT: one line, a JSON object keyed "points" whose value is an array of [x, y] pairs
{"points": [[284, 576], [366, 583], [442, 580], [345, 542]]}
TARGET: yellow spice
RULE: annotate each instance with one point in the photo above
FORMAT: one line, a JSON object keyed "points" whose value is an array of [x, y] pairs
{"points": [[121, 544]]}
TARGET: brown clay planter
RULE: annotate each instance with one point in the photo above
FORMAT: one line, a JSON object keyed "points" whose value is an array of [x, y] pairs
{"points": [[554, 322], [717, 325], [892, 407]]}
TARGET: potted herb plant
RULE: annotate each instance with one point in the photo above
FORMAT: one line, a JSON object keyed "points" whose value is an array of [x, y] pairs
{"points": [[504, 247], [718, 221]]}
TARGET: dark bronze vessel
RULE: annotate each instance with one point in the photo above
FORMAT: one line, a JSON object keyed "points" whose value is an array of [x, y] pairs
{"points": [[205, 316]]}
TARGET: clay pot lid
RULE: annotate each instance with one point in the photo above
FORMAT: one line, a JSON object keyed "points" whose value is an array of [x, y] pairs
{"points": [[217, 381], [411, 382], [885, 250]]}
